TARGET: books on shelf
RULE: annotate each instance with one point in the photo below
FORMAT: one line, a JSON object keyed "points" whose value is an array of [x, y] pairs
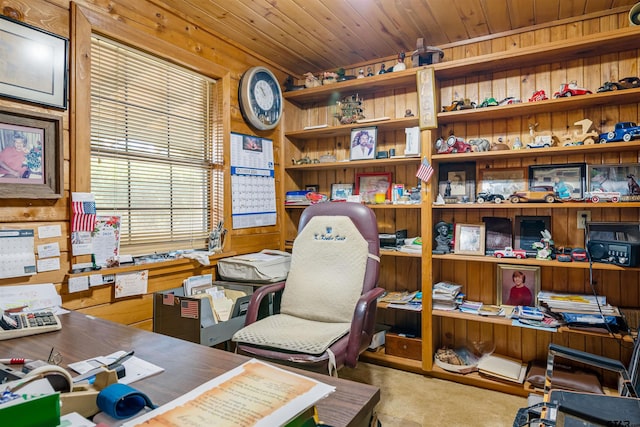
{"points": [[577, 303], [490, 310], [398, 297], [470, 307]]}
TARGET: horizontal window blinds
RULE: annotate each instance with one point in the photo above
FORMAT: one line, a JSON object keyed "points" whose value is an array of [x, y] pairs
{"points": [[156, 149]]}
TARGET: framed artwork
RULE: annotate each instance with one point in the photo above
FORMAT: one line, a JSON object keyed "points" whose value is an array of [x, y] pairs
{"points": [[498, 232], [469, 239], [456, 182], [622, 178], [518, 285], [427, 101], [30, 155], [341, 192], [372, 183], [568, 181], [363, 143], [41, 78], [504, 181], [528, 231], [312, 187]]}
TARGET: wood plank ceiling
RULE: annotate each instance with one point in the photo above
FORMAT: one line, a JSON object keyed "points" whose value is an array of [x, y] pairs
{"points": [[312, 35]]}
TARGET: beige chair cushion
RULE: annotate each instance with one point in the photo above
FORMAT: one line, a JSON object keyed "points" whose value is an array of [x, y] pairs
{"points": [[328, 263], [292, 333]]}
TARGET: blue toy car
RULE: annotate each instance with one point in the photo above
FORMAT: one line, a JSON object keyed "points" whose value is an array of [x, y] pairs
{"points": [[623, 131]]}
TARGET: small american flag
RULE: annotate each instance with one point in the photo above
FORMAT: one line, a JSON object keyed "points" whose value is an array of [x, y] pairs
{"points": [[425, 170], [83, 222], [167, 299], [189, 308], [84, 207]]}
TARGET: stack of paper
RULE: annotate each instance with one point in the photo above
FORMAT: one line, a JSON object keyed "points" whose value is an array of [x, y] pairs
{"points": [[577, 303], [446, 296], [471, 307], [197, 284], [502, 367]]}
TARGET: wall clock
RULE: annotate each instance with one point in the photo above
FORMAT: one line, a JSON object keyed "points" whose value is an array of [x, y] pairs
{"points": [[260, 98]]}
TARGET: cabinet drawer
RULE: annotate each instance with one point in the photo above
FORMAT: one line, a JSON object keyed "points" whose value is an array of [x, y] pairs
{"points": [[396, 345]]}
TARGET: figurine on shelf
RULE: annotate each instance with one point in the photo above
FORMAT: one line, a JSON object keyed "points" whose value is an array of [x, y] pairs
{"points": [[349, 110], [369, 71], [544, 247], [361, 73], [443, 241], [517, 144], [408, 113], [382, 69], [329, 77], [311, 80], [400, 65]]}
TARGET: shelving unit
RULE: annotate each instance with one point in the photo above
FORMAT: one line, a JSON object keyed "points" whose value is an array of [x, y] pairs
{"points": [[592, 59]]}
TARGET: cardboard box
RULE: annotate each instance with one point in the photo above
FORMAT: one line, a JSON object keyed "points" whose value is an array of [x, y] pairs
{"points": [[401, 346]]}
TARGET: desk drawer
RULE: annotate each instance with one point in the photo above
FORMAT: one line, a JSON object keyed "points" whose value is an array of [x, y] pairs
{"points": [[396, 345]]}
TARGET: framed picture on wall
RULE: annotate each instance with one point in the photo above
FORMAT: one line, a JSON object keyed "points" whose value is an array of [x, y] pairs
{"points": [[518, 285], [363, 143]]}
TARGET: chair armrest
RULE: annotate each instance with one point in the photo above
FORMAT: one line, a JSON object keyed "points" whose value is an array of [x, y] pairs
{"points": [[362, 325], [256, 300]]}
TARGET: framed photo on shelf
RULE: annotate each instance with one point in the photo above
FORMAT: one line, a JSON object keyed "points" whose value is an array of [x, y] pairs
{"points": [[502, 181], [428, 118], [363, 143], [341, 192], [41, 78], [371, 183], [456, 182], [469, 239], [622, 178], [518, 285], [498, 232], [30, 155], [312, 187], [568, 180], [527, 231]]}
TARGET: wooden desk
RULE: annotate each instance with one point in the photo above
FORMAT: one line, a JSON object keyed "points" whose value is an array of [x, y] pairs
{"points": [[187, 365]]}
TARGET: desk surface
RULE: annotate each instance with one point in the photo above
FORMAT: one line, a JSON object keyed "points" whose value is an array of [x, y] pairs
{"points": [[187, 365]]}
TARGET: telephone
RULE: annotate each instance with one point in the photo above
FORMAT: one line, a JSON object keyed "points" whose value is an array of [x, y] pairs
{"points": [[14, 325]]}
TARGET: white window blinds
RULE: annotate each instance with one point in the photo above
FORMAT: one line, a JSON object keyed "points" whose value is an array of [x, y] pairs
{"points": [[156, 149]]}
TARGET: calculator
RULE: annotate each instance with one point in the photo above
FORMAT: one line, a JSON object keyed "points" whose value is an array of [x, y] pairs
{"points": [[14, 325]]}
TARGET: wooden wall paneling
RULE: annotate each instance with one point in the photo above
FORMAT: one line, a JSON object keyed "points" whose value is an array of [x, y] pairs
{"points": [[127, 311]]}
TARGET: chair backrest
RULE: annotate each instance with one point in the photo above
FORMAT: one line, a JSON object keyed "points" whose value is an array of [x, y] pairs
{"points": [[330, 262]]}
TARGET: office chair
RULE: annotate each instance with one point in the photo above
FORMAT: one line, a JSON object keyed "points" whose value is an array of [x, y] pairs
{"points": [[328, 304]]}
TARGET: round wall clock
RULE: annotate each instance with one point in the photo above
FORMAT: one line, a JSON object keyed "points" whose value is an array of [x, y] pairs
{"points": [[260, 98]]}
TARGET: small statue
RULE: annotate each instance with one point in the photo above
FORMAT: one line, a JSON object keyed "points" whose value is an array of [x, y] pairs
{"points": [[408, 113], [361, 74], [544, 247], [311, 80], [400, 65], [382, 69], [517, 144], [369, 71], [443, 242]]}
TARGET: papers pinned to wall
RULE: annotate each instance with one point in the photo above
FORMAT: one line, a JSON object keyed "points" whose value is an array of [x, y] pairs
{"points": [[129, 284], [106, 241], [17, 257]]}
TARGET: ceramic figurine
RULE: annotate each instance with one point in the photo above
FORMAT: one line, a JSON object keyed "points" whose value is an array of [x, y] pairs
{"points": [[443, 241], [311, 80], [517, 144], [400, 65], [408, 113], [382, 69], [369, 71], [361, 73]]}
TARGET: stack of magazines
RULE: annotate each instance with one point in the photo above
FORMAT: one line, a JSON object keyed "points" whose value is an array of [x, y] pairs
{"points": [[446, 296]]}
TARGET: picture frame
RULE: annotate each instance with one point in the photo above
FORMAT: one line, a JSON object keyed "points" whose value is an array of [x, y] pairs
{"points": [[341, 192], [527, 231], [363, 143], [622, 178], [502, 181], [40, 79], [469, 239], [507, 275], [568, 181], [498, 233], [427, 115], [38, 170], [368, 184], [312, 187], [456, 182]]}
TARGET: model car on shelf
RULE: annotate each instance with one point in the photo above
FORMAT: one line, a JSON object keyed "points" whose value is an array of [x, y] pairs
{"points": [[542, 141], [571, 89], [510, 100], [461, 104], [625, 83], [585, 136], [487, 196], [596, 196], [453, 144], [509, 252], [488, 102], [623, 131], [540, 193], [539, 95]]}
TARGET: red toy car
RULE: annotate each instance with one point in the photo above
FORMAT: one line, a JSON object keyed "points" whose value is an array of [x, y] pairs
{"points": [[509, 252], [571, 89], [453, 144], [539, 95]]}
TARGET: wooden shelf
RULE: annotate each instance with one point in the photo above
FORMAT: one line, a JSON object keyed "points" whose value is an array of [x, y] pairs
{"points": [[590, 45], [379, 357], [387, 206], [532, 261], [537, 152], [387, 252], [365, 86], [355, 164], [475, 379], [528, 205], [334, 131], [548, 106]]}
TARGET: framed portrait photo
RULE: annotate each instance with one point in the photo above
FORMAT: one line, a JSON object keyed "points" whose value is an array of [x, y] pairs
{"points": [[370, 184], [30, 155], [517, 285], [341, 192], [623, 178], [456, 182], [469, 239], [363, 143], [568, 181]]}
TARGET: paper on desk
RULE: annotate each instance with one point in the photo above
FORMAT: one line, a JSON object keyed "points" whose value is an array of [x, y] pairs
{"points": [[134, 368], [255, 393]]}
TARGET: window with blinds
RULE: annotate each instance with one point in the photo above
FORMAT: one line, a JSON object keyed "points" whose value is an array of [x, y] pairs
{"points": [[156, 149]]}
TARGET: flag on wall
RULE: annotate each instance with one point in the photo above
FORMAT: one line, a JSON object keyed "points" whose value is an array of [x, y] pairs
{"points": [[83, 210], [425, 170]]}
